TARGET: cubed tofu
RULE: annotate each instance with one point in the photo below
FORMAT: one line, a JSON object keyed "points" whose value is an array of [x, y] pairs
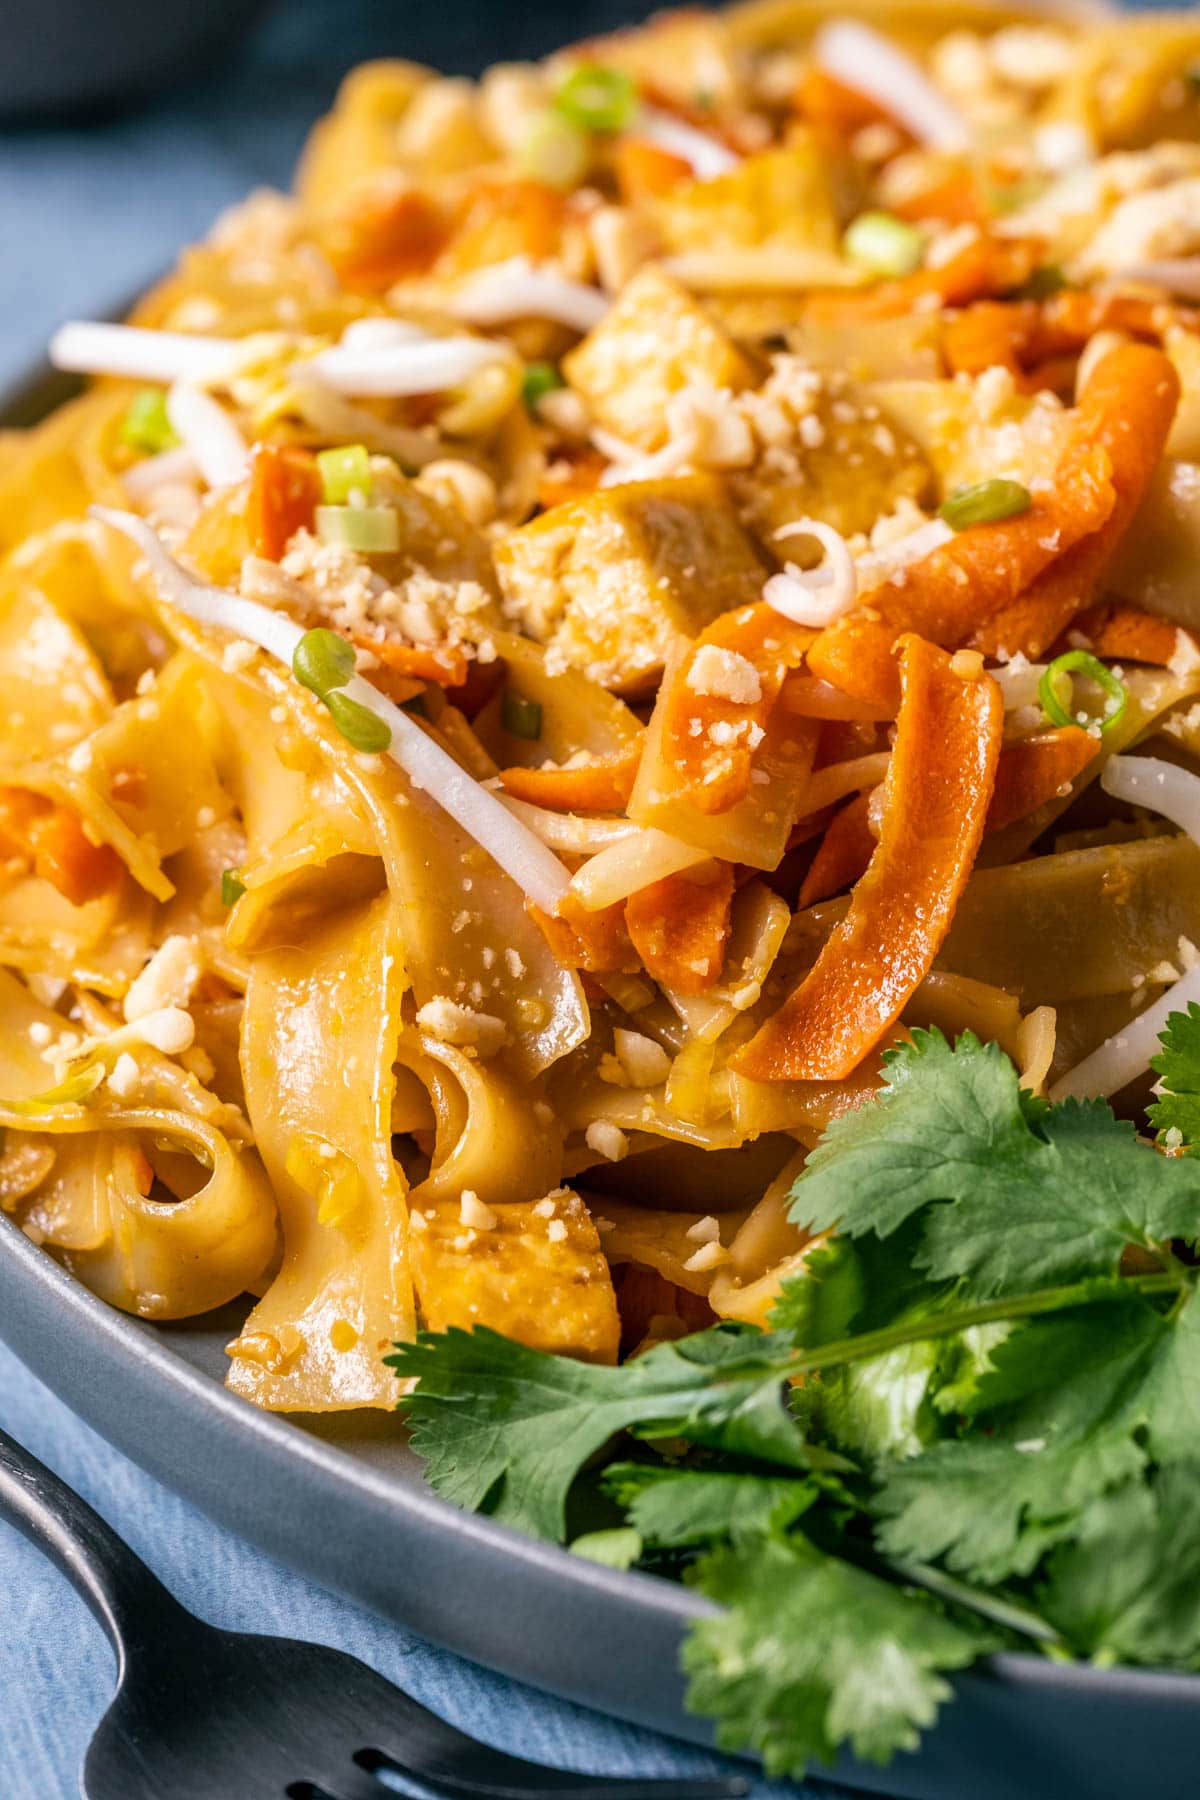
{"points": [[611, 583], [656, 340], [779, 197], [852, 467]]}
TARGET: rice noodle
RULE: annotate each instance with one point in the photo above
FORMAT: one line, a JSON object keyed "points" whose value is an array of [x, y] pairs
{"points": [[86, 348], [536, 871], [818, 596], [395, 367], [521, 289], [745, 268], [854, 776], [214, 441], [1163, 788], [855, 54], [644, 856], [706, 154]]}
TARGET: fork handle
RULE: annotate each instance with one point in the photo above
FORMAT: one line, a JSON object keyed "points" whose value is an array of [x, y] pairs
{"points": [[121, 1591]]}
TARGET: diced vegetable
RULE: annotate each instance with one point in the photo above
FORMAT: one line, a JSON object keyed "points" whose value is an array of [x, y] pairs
{"points": [[519, 716], [345, 471], [597, 98], [884, 244], [369, 529], [985, 502], [146, 426], [554, 150]]}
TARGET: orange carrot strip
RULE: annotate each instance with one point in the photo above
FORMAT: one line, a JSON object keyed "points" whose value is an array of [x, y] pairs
{"points": [[855, 656], [936, 797], [285, 490], [51, 841], [596, 941], [845, 851], [1127, 634], [993, 333], [826, 101], [680, 928], [955, 200], [1032, 771], [602, 786], [645, 170], [570, 477], [383, 236], [1026, 334], [1125, 413], [716, 773], [442, 663], [985, 266]]}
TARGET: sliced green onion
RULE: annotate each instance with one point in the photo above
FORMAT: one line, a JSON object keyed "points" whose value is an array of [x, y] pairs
{"points": [[885, 245], [597, 98], [1042, 283], [983, 502], [322, 660], [146, 426], [520, 717], [1058, 677], [365, 528], [344, 470], [232, 887], [540, 378], [357, 723], [554, 150], [72, 1092]]}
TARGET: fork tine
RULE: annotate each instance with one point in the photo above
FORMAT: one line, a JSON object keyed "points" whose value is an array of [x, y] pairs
{"points": [[494, 1775]]}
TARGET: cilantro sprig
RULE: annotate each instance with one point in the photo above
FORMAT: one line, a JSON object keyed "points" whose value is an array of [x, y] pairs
{"points": [[975, 1421]]}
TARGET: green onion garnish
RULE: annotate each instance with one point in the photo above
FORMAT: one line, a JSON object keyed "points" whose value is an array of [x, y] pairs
{"points": [[520, 717], [345, 470], [1058, 676], [365, 528], [1042, 283], [885, 245], [596, 98], [540, 378], [357, 723], [554, 150], [146, 426], [232, 887], [983, 502], [323, 660], [72, 1092]]}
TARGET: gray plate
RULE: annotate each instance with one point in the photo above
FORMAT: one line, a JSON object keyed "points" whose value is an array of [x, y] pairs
{"points": [[1022, 1729]]}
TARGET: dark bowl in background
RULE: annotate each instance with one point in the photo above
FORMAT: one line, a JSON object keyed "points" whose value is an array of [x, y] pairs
{"points": [[70, 56]]}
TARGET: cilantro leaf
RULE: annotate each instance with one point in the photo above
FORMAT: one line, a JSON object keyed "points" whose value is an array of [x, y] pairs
{"points": [[812, 1653], [1074, 1405], [1031, 1197], [1128, 1588], [679, 1508], [1178, 1068], [508, 1428]]}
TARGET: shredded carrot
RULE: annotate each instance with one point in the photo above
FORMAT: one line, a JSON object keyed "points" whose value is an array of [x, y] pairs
{"points": [[844, 852], [955, 200], [521, 217], [598, 942], [984, 266], [1032, 772], [855, 657], [680, 927], [49, 839], [825, 101], [716, 773], [570, 477], [1127, 634], [1125, 414], [442, 663], [991, 334], [601, 786], [936, 797], [285, 489], [385, 234], [1028, 335], [645, 170]]}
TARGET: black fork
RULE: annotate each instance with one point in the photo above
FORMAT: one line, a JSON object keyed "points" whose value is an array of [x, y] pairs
{"points": [[203, 1714]]}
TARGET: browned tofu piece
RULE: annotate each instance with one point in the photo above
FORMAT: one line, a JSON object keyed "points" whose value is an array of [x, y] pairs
{"points": [[656, 340], [781, 196], [857, 467], [612, 582], [534, 1275]]}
